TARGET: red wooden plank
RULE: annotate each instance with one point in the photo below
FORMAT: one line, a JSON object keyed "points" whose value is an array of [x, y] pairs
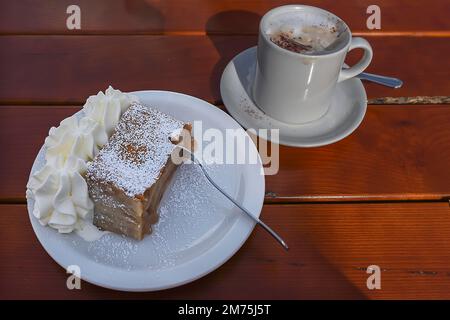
{"points": [[67, 69], [398, 153], [331, 245], [211, 16]]}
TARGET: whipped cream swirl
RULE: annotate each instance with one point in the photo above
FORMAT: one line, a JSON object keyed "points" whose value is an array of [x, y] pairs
{"points": [[105, 109], [60, 193], [59, 189], [73, 138]]}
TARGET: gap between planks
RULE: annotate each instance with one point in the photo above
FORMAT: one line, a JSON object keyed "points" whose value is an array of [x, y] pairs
{"points": [[415, 33], [417, 100], [317, 200]]}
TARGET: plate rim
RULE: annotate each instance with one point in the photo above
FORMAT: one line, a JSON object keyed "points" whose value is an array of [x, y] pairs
{"points": [[218, 259]]}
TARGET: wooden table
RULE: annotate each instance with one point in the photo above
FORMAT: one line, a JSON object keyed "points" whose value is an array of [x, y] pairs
{"points": [[378, 197]]}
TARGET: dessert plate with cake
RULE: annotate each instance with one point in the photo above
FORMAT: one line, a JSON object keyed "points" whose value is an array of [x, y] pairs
{"points": [[106, 195]]}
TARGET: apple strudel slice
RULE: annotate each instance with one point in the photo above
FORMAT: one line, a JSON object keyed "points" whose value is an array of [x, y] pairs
{"points": [[128, 177]]}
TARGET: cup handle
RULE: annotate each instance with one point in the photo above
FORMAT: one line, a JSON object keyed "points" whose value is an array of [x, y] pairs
{"points": [[362, 64]]}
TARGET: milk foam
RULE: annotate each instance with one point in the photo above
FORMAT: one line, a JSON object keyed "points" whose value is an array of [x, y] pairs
{"points": [[321, 33]]}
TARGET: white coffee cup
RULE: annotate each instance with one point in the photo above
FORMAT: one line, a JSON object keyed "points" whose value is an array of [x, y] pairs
{"points": [[298, 87]]}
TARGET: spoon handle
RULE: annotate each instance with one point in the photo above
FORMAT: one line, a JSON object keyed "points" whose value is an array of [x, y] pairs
{"points": [[383, 80], [249, 214], [257, 220]]}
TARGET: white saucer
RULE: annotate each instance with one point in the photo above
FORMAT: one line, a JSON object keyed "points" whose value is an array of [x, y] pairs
{"points": [[198, 229], [346, 112]]}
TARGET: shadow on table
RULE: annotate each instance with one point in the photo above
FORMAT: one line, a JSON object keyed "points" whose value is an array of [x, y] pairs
{"points": [[261, 269], [254, 272], [221, 30], [301, 273], [145, 16]]}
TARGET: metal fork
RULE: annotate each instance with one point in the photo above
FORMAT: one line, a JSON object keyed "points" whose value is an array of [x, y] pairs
{"points": [[257, 220]]}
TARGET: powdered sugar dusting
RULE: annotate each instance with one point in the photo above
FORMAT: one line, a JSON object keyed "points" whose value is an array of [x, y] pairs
{"points": [[120, 250], [193, 217], [138, 150]]}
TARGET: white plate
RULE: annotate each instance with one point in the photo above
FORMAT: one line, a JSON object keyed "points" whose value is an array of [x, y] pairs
{"points": [[345, 114], [198, 230]]}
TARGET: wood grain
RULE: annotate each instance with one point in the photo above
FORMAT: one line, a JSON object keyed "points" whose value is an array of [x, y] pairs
{"points": [[211, 16], [398, 153], [331, 246], [67, 69]]}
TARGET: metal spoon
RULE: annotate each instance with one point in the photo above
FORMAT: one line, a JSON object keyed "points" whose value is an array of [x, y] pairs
{"points": [[257, 220], [383, 80]]}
